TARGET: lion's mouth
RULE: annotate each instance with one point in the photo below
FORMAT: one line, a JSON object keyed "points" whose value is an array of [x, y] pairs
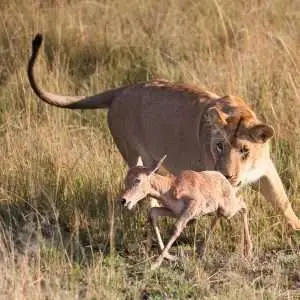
{"points": [[238, 184]]}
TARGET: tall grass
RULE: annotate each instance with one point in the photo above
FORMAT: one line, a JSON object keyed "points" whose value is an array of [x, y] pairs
{"points": [[60, 172]]}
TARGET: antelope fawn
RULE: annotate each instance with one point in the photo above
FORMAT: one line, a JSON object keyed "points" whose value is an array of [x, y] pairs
{"points": [[185, 197]]}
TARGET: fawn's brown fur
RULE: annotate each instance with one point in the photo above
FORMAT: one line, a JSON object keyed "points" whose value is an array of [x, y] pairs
{"points": [[187, 196]]}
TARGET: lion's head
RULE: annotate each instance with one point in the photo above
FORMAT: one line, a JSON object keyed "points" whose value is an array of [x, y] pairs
{"points": [[239, 141]]}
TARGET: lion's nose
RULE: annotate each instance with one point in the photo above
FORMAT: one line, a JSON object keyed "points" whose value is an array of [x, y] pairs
{"points": [[123, 201], [233, 180]]}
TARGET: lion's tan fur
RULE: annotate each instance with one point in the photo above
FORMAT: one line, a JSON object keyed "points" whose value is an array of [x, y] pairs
{"points": [[188, 124]]}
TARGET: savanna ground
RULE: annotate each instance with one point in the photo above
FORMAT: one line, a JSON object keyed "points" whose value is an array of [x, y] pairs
{"points": [[62, 233]]}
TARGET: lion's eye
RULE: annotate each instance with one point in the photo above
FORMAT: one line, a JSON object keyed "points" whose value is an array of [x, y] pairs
{"points": [[244, 152], [220, 147]]}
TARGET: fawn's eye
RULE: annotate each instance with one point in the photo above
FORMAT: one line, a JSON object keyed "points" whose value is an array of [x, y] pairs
{"points": [[244, 151], [137, 181], [220, 147]]}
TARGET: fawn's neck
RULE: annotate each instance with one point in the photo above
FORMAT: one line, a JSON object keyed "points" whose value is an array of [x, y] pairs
{"points": [[160, 185]]}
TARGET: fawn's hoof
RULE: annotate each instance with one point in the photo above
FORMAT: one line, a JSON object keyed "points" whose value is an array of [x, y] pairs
{"points": [[171, 257], [248, 251], [157, 264], [200, 249]]}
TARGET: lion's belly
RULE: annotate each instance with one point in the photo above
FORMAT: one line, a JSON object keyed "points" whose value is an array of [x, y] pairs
{"points": [[155, 126]]}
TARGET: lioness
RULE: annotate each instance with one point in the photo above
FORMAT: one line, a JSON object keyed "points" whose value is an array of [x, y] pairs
{"points": [[198, 130]]}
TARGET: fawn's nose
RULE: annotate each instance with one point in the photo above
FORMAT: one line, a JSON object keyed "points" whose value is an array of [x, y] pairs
{"points": [[123, 201]]}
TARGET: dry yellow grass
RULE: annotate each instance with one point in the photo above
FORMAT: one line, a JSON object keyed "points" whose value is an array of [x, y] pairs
{"points": [[60, 172]]}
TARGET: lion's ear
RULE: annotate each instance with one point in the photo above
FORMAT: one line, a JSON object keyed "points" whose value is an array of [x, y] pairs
{"points": [[216, 117], [261, 133]]}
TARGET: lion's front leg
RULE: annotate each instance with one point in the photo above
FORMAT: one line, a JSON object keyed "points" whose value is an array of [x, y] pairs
{"points": [[270, 185]]}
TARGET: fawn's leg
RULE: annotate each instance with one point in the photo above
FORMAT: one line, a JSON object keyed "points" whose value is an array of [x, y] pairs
{"points": [[161, 212], [246, 238], [179, 226], [151, 204], [202, 248], [141, 161]]}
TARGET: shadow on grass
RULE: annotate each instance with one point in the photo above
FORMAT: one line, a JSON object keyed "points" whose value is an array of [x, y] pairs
{"points": [[80, 228], [34, 224], [76, 231]]}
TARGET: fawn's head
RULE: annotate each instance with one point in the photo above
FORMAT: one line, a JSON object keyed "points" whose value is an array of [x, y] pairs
{"points": [[137, 183]]}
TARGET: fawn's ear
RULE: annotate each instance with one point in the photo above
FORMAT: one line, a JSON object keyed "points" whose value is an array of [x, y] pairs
{"points": [[158, 165], [139, 162]]}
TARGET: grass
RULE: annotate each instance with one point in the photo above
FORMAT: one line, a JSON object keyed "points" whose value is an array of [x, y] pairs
{"points": [[62, 234]]}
